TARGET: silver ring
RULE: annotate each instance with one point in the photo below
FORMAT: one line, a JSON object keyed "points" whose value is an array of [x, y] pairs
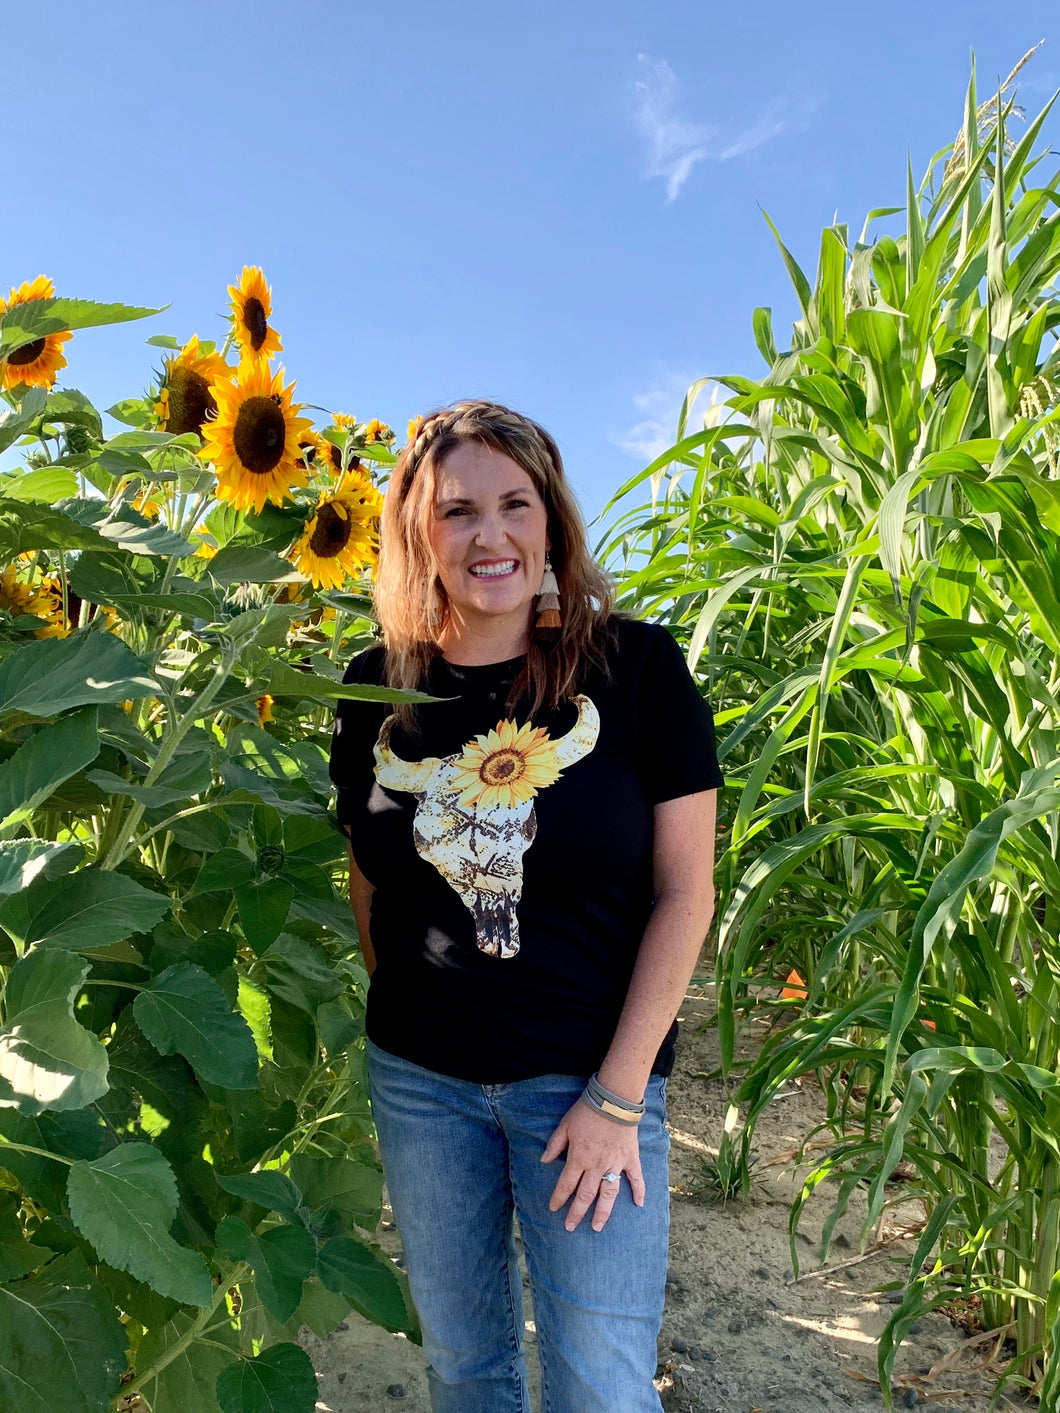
{"points": [[611, 1177]]}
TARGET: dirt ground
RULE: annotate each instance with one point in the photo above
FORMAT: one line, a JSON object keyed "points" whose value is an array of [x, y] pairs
{"points": [[739, 1334]]}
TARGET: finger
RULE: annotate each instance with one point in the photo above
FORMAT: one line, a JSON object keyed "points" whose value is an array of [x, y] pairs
{"points": [[605, 1202], [583, 1200], [636, 1185], [555, 1145], [568, 1181]]}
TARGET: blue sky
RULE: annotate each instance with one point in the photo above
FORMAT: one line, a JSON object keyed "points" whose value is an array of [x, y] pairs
{"points": [[556, 205]]}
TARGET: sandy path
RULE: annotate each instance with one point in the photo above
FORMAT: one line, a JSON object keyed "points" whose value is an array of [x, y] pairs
{"points": [[748, 1339]]}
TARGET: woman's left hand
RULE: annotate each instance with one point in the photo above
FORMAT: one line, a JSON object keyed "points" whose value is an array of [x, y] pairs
{"points": [[595, 1146]]}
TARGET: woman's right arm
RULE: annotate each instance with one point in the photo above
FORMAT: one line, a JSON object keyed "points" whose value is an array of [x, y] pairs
{"points": [[361, 897]]}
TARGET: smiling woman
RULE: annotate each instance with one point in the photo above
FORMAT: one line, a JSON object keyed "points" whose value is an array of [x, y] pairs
{"points": [[531, 872]]}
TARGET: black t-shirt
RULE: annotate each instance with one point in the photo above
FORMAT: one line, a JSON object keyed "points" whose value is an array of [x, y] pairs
{"points": [[512, 861]]}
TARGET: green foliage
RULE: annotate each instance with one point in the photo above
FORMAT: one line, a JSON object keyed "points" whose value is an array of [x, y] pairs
{"points": [[859, 551], [186, 1173]]}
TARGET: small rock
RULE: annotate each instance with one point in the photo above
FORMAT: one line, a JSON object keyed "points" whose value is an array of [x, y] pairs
{"points": [[711, 1312], [679, 1345], [911, 1399], [785, 1358], [710, 1356], [789, 1276], [396, 1391], [914, 1329], [841, 1241], [762, 1272], [342, 1377], [693, 1351], [344, 1326], [894, 1297], [772, 1303], [736, 1327], [768, 1353]]}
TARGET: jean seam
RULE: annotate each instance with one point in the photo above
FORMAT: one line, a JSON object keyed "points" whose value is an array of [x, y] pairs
{"points": [[546, 1404]]}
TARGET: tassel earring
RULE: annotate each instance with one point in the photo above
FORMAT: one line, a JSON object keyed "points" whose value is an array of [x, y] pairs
{"points": [[548, 614]]}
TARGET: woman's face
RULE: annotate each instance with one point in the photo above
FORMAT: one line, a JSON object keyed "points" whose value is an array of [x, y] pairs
{"points": [[489, 533]]}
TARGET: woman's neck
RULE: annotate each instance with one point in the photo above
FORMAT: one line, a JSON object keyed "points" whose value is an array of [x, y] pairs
{"points": [[467, 646]]}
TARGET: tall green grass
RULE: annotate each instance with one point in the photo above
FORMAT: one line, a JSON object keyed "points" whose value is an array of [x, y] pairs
{"points": [[859, 550]]}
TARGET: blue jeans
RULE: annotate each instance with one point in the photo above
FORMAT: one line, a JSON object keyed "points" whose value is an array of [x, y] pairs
{"points": [[460, 1159]]}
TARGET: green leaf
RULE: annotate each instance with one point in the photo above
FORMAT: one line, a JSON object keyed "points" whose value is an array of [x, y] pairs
{"points": [[282, 1257], [369, 1280], [250, 564], [17, 1255], [25, 323], [279, 1380], [263, 905], [124, 1204], [283, 680], [48, 758], [133, 584], [47, 1059], [23, 860], [125, 528], [86, 910], [45, 483], [187, 1380], [299, 974], [184, 1010], [62, 1346], [228, 868], [15, 423], [354, 1190], [269, 1189], [50, 676]]}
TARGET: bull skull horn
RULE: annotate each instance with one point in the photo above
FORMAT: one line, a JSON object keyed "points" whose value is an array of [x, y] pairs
{"points": [[396, 774], [581, 738]]}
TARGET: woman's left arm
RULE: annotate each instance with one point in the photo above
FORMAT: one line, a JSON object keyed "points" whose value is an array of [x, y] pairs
{"points": [[683, 873]]}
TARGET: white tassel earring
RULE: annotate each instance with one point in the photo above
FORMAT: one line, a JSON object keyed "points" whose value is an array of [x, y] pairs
{"points": [[548, 614]]}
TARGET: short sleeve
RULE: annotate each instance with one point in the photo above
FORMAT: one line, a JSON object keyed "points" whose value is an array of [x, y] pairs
{"points": [[353, 736], [676, 743]]}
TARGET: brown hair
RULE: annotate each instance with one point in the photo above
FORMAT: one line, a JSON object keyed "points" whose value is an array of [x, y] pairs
{"points": [[410, 599]]}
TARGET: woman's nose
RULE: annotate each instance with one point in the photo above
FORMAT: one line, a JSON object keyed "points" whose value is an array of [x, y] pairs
{"points": [[491, 530]]}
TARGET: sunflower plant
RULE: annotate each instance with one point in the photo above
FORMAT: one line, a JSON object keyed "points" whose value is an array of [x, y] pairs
{"points": [[187, 1177]]}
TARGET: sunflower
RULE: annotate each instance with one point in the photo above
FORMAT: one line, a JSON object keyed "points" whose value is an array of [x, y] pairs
{"points": [[330, 454], [253, 440], [340, 536], [506, 766], [185, 401], [265, 705], [377, 431], [35, 363], [415, 423], [43, 600], [251, 307]]}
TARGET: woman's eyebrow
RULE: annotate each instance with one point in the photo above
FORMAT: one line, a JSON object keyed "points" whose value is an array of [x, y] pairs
{"points": [[465, 500]]}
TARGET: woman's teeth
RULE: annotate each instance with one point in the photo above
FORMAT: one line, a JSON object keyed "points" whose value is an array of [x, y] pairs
{"points": [[494, 571]]}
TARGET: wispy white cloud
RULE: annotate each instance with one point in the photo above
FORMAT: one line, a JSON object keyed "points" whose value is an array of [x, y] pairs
{"points": [[673, 145], [658, 408]]}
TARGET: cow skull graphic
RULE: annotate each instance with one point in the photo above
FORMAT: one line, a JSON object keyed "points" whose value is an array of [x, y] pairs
{"points": [[478, 848]]}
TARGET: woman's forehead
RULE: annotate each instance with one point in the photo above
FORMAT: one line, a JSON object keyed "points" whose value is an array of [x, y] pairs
{"points": [[474, 469]]}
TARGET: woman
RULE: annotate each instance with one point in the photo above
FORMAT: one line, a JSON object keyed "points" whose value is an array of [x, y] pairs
{"points": [[530, 863]]}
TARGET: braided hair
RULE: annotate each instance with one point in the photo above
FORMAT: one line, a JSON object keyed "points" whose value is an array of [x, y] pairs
{"points": [[410, 598]]}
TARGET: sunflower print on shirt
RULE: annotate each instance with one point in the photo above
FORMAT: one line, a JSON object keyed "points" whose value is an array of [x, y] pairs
{"points": [[475, 815]]}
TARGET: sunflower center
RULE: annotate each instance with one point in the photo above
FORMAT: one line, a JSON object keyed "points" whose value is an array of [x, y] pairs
{"points": [[28, 353], [332, 533], [259, 435], [502, 766], [189, 401], [255, 323]]}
